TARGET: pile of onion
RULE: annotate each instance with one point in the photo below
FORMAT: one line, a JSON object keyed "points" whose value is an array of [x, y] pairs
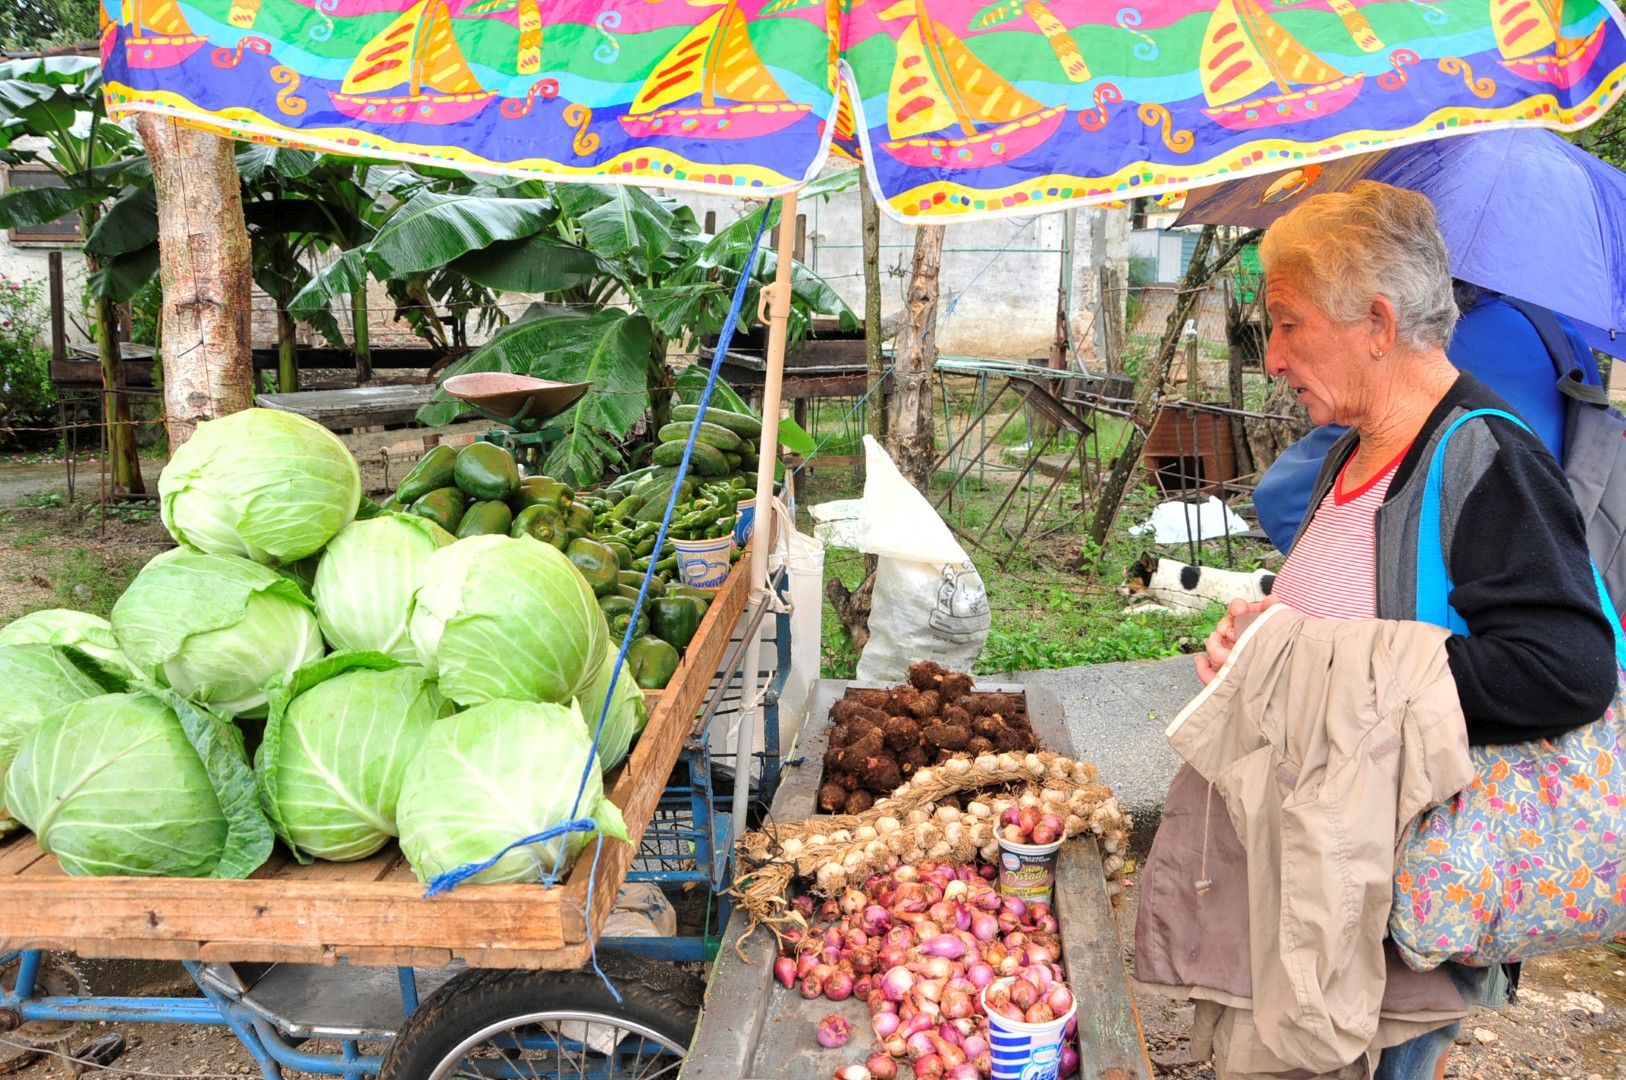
{"points": [[1027, 825], [919, 945]]}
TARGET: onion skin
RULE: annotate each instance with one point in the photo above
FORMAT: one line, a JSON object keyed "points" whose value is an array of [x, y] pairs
{"points": [[834, 1031], [784, 970], [882, 1067]]}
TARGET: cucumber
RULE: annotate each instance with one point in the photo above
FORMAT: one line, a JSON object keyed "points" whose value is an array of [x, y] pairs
{"points": [[707, 460], [745, 426], [710, 434]]}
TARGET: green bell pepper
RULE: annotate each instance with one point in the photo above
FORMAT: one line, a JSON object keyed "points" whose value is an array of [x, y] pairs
{"points": [[444, 506], [623, 553], [634, 579], [537, 490], [486, 472], [544, 522], [676, 618], [597, 564], [618, 612], [653, 662], [578, 520], [705, 596], [433, 470]]}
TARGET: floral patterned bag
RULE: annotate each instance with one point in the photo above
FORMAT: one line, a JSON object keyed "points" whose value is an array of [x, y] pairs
{"points": [[1528, 858]]}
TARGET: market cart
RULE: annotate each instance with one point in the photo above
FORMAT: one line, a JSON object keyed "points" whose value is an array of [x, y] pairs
{"points": [[752, 1028], [354, 954]]}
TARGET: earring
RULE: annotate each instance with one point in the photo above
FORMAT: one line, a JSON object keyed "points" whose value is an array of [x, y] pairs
{"points": [[1377, 354]]}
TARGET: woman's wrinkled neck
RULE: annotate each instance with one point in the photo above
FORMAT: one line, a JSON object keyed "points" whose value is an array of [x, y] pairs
{"points": [[1402, 394]]}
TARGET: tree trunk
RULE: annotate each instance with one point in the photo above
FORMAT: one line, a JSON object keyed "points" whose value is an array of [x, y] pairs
{"points": [[203, 267], [911, 438], [287, 352], [1268, 438], [362, 333], [875, 415], [1149, 396]]}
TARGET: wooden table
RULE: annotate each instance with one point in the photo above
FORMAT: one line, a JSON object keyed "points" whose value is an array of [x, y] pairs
{"points": [[753, 1029], [362, 406]]}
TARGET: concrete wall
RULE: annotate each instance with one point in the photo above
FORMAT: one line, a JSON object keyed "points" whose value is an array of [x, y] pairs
{"points": [[999, 281], [30, 262]]}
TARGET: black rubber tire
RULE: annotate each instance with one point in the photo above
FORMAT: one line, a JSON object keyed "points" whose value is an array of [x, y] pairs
{"points": [[653, 994]]}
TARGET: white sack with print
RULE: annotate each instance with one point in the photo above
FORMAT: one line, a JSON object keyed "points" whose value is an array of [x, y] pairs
{"points": [[929, 601]]}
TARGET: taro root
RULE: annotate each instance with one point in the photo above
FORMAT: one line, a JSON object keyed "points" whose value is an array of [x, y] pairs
{"points": [[915, 757], [832, 798], [867, 745], [948, 736], [954, 686], [925, 705], [901, 732], [979, 746], [865, 715], [954, 714], [849, 781], [842, 711], [874, 699], [901, 702], [882, 774], [1011, 739], [926, 674], [858, 802], [835, 759], [987, 726], [841, 734]]}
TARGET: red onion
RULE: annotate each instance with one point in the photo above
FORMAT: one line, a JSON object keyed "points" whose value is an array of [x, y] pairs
{"points": [[812, 987], [884, 1024], [863, 961], [1054, 823], [803, 905], [1010, 965], [1008, 923], [962, 918], [831, 956], [1040, 955], [905, 873], [929, 1067], [1046, 923], [925, 928], [987, 871], [1009, 1012], [950, 1054], [911, 898], [1027, 818], [805, 964], [839, 986], [979, 975], [917, 1023], [1015, 940], [944, 945], [877, 1001], [957, 1005], [822, 972], [852, 1072], [899, 937], [829, 911], [920, 1044], [855, 938], [975, 1045], [1043, 835], [997, 994], [1011, 816], [935, 967], [882, 1067], [834, 1031], [1039, 1014], [949, 1033], [891, 956], [941, 912], [784, 969], [876, 920], [895, 1046], [1069, 1059], [1024, 994], [928, 990], [1072, 1027], [984, 1063], [1039, 976], [833, 938], [1060, 1000], [793, 936], [963, 1071], [987, 900], [895, 984], [852, 901], [1015, 905], [956, 889], [984, 927]]}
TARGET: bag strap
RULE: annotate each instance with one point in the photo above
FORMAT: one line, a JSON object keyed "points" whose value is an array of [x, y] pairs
{"points": [[1571, 377], [1434, 583]]}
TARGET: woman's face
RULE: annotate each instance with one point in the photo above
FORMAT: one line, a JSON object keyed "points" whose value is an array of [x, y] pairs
{"points": [[1326, 363]]}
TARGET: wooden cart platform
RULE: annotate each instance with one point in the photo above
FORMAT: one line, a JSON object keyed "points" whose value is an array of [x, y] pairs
{"points": [[753, 1029], [372, 911]]}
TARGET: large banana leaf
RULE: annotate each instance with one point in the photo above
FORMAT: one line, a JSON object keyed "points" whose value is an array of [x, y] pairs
{"points": [[55, 70], [129, 224], [331, 284], [431, 229], [533, 264], [120, 277], [630, 225], [608, 348], [256, 160]]}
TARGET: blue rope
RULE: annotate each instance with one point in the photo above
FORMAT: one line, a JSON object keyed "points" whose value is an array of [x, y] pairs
{"points": [[451, 879]]}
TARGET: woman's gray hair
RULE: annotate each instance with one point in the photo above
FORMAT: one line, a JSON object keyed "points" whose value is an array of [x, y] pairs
{"points": [[1345, 248]]}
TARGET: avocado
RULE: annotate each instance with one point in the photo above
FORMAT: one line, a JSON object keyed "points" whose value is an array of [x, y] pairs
{"points": [[433, 470]]}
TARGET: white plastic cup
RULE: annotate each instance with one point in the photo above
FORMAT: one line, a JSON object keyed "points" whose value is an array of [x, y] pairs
{"points": [[1028, 871], [704, 564], [745, 516], [1025, 1051]]}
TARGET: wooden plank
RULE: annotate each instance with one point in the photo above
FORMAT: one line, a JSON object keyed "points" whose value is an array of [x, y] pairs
{"points": [[368, 869], [736, 1005], [19, 854], [638, 789], [1111, 1044]]}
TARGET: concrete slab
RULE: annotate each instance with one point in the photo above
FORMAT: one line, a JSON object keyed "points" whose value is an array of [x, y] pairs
{"points": [[1116, 714]]}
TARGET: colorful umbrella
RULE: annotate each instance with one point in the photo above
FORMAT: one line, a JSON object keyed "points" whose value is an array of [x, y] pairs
{"points": [[962, 107], [1523, 212]]}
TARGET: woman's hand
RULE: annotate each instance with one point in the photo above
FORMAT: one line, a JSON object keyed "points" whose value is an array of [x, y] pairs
{"points": [[1217, 649]]}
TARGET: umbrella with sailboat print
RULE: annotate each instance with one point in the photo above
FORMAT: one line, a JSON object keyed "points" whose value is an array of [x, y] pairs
{"points": [[962, 107]]}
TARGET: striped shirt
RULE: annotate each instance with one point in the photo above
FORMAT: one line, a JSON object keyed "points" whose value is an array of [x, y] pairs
{"points": [[1331, 573]]}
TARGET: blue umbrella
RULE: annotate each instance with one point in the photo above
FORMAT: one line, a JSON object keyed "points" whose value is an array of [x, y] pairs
{"points": [[1523, 212]]}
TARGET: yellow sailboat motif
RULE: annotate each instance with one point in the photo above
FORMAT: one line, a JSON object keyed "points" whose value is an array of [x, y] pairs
{"points": [[716, 63], [1246, 52], [418, 53], [1529, 34], [159, 34], [939, 85]]}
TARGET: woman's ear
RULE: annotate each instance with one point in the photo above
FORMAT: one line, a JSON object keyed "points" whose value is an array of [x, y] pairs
{"points": [[1381, 320]]}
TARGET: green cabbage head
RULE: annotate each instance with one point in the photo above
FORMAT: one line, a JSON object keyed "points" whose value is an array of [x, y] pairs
{"points": [[265, 484], [336, 748], [627, 715], [132, 784], [216, 628], [498, 773], [90, 634], [39, 681], [365, 581], [500, 618]]}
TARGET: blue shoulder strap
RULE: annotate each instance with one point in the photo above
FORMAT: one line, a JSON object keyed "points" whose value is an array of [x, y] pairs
{"points": [[1434, 580]]}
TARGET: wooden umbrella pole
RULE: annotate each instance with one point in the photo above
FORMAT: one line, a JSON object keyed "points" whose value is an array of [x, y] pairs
{"points": [[777, 303]]}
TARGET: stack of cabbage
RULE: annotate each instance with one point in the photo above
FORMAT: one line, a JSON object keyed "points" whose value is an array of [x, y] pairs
{"points": [[122, 743]]}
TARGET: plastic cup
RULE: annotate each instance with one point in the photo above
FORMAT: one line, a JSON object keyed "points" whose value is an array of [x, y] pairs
{"points": [[1025, 1051], [704, 564], [745, 516], [1028, 871]]}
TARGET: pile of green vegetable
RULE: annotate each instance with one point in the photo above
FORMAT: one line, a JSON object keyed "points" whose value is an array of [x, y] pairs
{"points": [[311, 667]]}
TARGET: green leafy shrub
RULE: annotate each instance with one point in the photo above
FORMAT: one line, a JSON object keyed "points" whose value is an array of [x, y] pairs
{"points": [[26, 394]]}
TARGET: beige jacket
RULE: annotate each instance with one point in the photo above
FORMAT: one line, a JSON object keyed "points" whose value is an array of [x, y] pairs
{"points": [[1323, 738]]}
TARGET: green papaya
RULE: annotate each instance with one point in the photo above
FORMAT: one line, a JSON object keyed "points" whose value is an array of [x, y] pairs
{"points": [[444, 506], [489, 518], [486, 471], [433, 470]]}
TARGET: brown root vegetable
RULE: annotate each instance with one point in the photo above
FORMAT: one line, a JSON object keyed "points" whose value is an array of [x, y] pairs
{"points": [[979, 746], [925, 705], [926, 674], [1011, 739], [832, 798], [954, 714], [842, 710], [901, 702], [954, 686], [947, 736], [882, 774], [835, 759], [849, 781], [987, 726], [915, 757], [858, 802], [866, 745], [841, 734], [901, 732], [866, 716], [873, 699]]}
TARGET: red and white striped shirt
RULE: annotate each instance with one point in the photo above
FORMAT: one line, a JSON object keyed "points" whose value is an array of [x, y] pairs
{"points": [[1331, 573]]}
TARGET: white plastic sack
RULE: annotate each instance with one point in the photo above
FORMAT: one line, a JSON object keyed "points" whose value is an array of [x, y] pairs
{"points": [[1180, 522], [835, 523], [929, 601]]}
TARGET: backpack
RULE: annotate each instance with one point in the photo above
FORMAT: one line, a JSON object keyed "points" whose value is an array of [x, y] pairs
{"points": [[1594, 458]]}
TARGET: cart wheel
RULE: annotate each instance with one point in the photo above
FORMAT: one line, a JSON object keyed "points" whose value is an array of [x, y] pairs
{"points": [[555, 1024], [58, 976]]}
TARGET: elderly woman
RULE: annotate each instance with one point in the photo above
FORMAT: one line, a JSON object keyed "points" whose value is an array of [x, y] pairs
{"points": [[1358, 288]]}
